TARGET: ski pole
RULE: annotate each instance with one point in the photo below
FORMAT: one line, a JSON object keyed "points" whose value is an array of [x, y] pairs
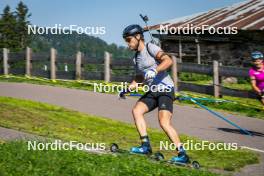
{"points": [[217, 115], [221, 117]]}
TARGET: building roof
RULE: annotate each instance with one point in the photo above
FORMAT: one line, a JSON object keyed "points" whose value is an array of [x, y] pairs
{"points": [[246, 15]]}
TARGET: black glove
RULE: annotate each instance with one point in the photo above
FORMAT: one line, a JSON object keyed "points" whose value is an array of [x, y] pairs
{"points": [[122, 95]]}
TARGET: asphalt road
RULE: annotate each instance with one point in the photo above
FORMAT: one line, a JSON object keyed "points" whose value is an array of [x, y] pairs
{"points": [[187, 120]]}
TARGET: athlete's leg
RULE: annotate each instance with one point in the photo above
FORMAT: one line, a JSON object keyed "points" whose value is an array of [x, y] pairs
{"points": [[145, 104], [138, 113], [165, 103], [165, 123], [262, 101], [262, 97]]}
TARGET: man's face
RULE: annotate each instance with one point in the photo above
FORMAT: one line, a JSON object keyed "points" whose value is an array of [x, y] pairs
{"points": [[132, 42], [258, 62]]}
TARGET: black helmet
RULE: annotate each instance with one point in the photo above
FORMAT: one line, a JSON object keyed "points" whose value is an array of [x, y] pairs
{"points": [[132, 30]]}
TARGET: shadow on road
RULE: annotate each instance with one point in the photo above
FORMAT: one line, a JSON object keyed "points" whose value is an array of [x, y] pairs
{"points": [[237, 131]]}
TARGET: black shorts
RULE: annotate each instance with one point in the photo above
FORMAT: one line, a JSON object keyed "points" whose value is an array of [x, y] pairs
{"points": [[163, 100]]}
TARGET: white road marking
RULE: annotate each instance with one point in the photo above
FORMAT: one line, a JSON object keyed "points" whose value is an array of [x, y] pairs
{"points": [[253, 149]]}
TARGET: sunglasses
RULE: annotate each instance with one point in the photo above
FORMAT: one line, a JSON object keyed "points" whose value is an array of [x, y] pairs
{"points": [[257, 56], [256, 60], [128, 39]]}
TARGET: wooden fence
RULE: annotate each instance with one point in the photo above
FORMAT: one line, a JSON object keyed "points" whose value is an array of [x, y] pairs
{"points": [[79, 66]]}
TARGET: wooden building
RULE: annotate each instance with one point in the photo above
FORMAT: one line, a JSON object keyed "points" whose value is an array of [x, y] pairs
{"points": [[240, 31]]}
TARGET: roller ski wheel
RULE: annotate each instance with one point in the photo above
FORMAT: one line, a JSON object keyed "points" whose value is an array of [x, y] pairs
{"points": [[158, 156], [114, 148], [196, 165], [193, 164]]}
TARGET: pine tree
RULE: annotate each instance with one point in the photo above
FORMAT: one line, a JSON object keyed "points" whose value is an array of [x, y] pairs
{"points": [[22, 15], [7, 25]]}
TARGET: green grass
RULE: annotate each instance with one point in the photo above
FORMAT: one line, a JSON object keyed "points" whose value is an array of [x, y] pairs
{"points": [[42, 81], [236, 106], [242, 83], [241, 86], [240, 106], [74, 84], [17, 160], [57, 122], [185, 76], [237, 86]]}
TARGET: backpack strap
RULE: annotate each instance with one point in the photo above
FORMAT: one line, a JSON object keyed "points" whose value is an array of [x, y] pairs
{"points": [[147, 45], [135, 57]]}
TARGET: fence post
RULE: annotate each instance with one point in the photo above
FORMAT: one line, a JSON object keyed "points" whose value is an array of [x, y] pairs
{"points": [[52, 63], [198, 51], [5, 61], [220, 80], [174, 73], [28, 61], [216, 79], [106, 67], [78, 63], [180, 51]]}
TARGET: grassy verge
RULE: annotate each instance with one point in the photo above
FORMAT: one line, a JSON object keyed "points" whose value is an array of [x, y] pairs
{"points": [[242, 83], [237, 86], [17, 160], [234, 105], [240, 106], [56, 122], [42, 81]]}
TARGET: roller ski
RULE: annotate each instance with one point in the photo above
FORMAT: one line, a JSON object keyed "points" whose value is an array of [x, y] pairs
{"points": [[141, 150], [181, 159]]}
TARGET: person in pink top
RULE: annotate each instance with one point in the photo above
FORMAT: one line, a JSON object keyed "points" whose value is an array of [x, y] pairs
{"points": [[256, 74]]}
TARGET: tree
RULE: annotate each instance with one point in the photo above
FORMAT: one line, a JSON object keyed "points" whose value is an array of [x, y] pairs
{"points": [[22, 15], [7, 33]]}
